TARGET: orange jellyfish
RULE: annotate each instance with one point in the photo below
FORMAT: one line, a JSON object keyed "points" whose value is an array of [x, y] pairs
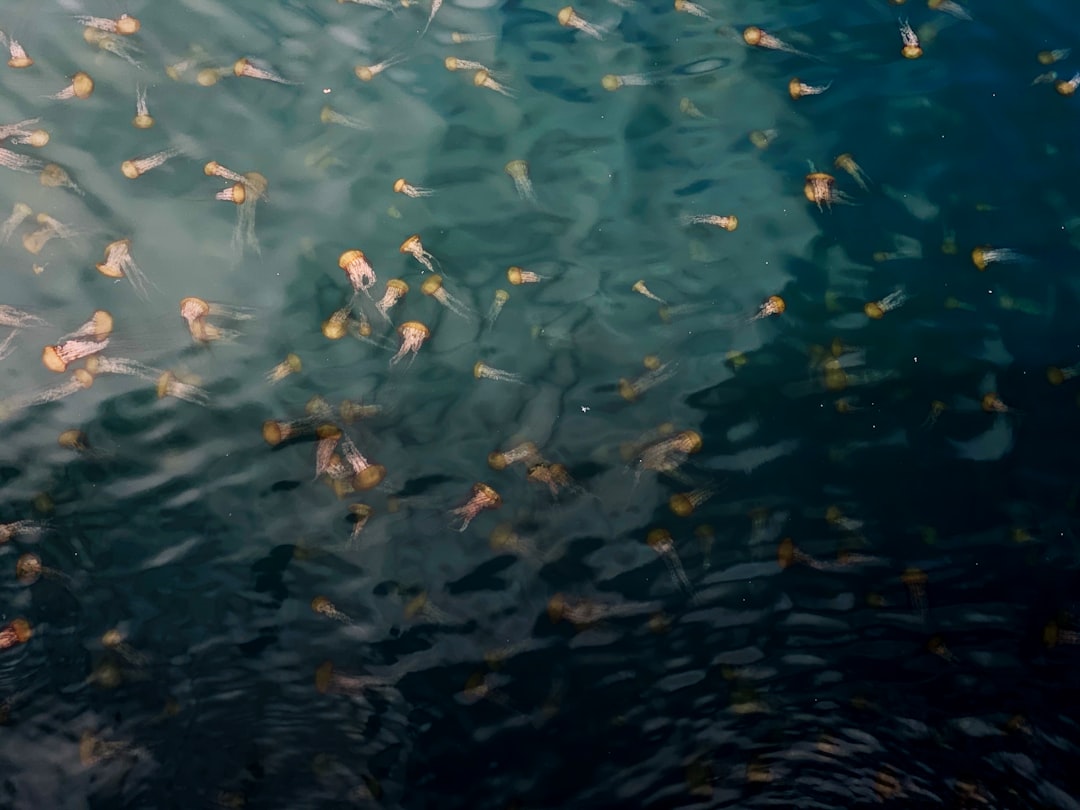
{"points": [[659, 540], [912, 49], [568, 18], [395, 291], [820, 189], [798, 89], [433, 287], [412, 334], [773, 305], [356, 267], [15, 632], [81, 87], [757, 38], [415, 248], [483, 497]]}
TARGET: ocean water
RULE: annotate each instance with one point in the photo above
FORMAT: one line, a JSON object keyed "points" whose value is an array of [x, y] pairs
{"points": [[768, 549]]}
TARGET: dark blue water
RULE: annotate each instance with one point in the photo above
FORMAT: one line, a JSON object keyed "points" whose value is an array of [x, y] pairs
{"points": [[869, 590]]}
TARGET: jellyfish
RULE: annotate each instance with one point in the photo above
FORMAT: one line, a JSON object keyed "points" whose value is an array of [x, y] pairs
{"points": [[360, 513], [632, 389], [504, 540], [915, 580], [798, 89], [328, 115], [497, 304], [518, 276], [324, 607], [115, 640], [684, 504], [412, 334], [667, 454], [137, 167], [1050, 57], [992, 403], [96, 364], [54, 176], [402, 186], [276, 431], [894, 300], [659, 540], [483, 78], [482, 371], [568, 18], [763, 138], [119, 264], [17, 631], [94, 750], [415, 248], [937, 407], [244, 67], [114, 44], [820, 189], [80, 380], [354, 411], [142, 119], [81, 87], [848, 164], [554, 476], [79, 344], [196, 313], [125, 24], [19, 59], [984, 256], [169, 385], [359, 271], [757, 38], [366, 73], [459, 37], [728, 222], [519, 173], [421, 607], [433, 286], [688, 7], [27, 529], [612, 82], [365, 474], [640, 288], [912, 49], [395, 291], [290, 365], [483, 497], [690, 109], [584, 613], [208, 77], [524, 453]]}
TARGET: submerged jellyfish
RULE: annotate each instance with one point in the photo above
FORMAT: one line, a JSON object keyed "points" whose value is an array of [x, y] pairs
{"points": [[519, 173]]}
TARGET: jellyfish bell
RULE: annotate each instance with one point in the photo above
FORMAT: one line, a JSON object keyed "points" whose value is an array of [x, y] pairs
{"points": [[369, 477], [127, 25], [82, 85]]}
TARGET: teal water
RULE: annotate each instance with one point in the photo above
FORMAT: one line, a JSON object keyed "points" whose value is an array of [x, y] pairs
{"points": [[880, 598]]}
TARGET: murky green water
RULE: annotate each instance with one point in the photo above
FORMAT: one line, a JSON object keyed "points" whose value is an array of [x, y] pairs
{"points": [[879, 603]]}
